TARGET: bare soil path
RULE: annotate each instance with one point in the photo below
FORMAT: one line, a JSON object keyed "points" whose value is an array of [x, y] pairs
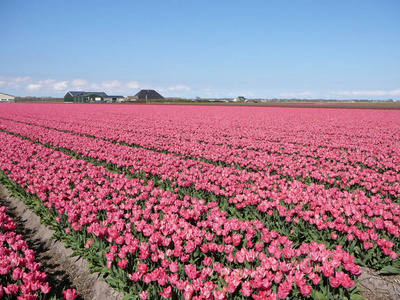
{"points": [[379, 287]]}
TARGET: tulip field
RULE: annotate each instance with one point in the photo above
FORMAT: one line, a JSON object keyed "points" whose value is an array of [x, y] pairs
{"points": [[210, 202]]}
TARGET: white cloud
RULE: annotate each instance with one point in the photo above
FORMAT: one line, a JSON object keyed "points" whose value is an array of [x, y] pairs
{"points": [[395, 92], [60, 86], [50, 86], [297, 95], [132, 85], [110, 84], [345, 93], [79, 82], [13, 83], [179, 87], [94, 86], [47, 85], [211, 92], [48, 81], [369, 93], [21, 79], [33, 87], [377, 93]]}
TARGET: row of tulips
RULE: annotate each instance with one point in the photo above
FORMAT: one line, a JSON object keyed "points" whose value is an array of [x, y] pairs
{"points": [[370, 220], [154, 243], [20, 277], [374, 147], [318, 163], [306, 168]]}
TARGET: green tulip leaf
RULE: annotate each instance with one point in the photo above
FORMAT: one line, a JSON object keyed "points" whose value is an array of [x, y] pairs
{"points": [[318, 295], [356, 297], [390, 270]]}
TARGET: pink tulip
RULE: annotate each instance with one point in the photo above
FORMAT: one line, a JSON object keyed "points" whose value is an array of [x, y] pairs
{"points": [[70, 294], [167, 293], [143, 295]]}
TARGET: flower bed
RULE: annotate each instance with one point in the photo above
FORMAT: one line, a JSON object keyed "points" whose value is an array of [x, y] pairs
{"points": [[346, 215], [20, 275], [222, 217]]}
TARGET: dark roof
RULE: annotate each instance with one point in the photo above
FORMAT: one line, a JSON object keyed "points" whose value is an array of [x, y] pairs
{"points": [[101, 94], [115, 96], [82, 93], [148, 94], [76, 93]]}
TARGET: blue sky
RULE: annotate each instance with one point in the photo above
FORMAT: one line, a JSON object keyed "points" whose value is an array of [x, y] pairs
{"points": [[211, 48]]}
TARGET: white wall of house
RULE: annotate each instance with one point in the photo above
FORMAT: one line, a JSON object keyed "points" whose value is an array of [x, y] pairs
{"points": [[6, 98]]}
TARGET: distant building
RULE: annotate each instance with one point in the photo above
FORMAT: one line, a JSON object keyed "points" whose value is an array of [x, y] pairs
{"points": [[148, 95], [6, 98], [114, 98], [239, 99], [134, 99], [91, 97]]}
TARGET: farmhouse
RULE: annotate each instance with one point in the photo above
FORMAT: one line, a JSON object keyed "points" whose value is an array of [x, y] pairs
{"points": [[6, 98], [148, 95], [91, 97], [114, 98], [134, 99], [239, 99]]}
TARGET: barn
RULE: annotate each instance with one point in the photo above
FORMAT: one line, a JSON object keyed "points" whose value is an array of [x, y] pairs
{"points": [[90, 97], [6, 97], [148, 95]]}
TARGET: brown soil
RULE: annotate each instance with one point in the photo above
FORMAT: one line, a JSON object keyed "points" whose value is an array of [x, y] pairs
{"points": [[379, 287]]}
